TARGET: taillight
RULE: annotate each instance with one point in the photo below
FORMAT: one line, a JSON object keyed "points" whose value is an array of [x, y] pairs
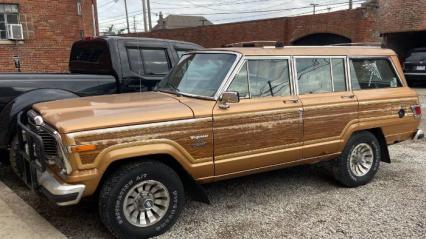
{"points": [[417, 110]]}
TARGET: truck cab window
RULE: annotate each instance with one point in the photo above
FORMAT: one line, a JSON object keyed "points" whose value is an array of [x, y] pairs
{"points": [[144, 61], [155, 61]]}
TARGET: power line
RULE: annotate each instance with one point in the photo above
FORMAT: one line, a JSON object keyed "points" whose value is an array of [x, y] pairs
{"points": [[137, 13]]}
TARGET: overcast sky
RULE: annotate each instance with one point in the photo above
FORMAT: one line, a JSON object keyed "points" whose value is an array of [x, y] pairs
{"points": [[112, 12]]}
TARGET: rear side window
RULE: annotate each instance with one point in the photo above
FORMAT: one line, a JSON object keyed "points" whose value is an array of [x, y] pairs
{"points": [[321, 75], [145, 61], [373, 74]]}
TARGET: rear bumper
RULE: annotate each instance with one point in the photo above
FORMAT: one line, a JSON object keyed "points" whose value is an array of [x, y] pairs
{"points": [[415, 76], [419, 135]]}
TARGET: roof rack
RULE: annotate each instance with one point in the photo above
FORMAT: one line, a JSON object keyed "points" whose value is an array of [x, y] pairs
{"points": [[369, 44], [256, 44]]}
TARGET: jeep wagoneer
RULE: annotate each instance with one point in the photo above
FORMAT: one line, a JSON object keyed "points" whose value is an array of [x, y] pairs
{"points": [[220, 114]]}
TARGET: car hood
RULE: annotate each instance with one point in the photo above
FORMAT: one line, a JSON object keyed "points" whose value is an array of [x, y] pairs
{"points": [[98, 112]]}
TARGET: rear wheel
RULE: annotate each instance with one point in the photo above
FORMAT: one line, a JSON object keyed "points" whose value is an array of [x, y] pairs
{"points": [[141, 200], [359, 161]]}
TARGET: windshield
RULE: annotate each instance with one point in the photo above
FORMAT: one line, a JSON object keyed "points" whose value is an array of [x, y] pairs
{"points": [[199, 74], [417, 56]]}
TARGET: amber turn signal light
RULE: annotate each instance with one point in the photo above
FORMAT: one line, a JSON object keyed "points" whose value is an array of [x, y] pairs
{"points": [[83, 148]]}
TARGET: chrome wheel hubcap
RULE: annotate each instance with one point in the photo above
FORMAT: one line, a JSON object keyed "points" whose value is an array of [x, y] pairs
{"points": [[361, 159], [146, 203]]}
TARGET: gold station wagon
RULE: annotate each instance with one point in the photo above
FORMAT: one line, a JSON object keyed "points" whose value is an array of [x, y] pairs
{"points": [[219, 114]]}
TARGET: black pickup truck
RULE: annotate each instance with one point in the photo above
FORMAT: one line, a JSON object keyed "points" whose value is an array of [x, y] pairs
{"points": [[98, 66]]}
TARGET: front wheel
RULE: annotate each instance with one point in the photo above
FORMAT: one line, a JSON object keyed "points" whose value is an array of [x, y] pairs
{"points": [[141, 200], [359, 161]]}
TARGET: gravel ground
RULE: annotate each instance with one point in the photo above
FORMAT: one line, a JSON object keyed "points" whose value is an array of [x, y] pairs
{"points": [[300, 202]]}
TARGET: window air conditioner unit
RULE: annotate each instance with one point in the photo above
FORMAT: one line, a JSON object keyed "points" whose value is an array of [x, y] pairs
{"points": [[15, 32]]}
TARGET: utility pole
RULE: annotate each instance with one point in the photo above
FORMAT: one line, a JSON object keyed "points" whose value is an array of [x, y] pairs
{"points": [[148, 3], [145, 23], [134, 24], [351, 4], [315, 6], [127, 16]]}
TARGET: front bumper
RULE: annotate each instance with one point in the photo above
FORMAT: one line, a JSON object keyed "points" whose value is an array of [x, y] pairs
{"points": [[61, 193], [419, 135], [34, 171]]}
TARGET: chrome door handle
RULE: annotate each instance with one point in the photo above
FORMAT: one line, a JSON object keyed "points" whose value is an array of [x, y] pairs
{"points": [[348, 96], [291, 101]]}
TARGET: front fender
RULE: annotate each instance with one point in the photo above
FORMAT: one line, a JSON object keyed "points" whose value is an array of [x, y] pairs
{"points": [[196, 168], [22, 103]]}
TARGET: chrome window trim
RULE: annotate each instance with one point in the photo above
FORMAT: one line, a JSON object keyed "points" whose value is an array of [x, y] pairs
{"points": [[331, 72], [387, 58], [238, 69], [248, 78], [245, 59], [348, 74]]}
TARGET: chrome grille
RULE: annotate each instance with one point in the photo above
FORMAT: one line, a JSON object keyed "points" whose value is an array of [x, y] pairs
{"points": [[49, 142]]}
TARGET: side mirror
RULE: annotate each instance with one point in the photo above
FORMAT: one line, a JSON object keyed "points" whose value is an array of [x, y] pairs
{"points": [[227, 98]]}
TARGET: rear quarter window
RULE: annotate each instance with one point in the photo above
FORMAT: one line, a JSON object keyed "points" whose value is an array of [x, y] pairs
{"points": [[373, 74]]}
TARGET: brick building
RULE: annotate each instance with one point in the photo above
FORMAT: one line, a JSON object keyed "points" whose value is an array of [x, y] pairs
{"points": [[49, 29], [400, 24]]}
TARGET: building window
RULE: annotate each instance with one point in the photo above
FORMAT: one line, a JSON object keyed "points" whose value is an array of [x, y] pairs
{"points": [[79, 8], [9, 14]]}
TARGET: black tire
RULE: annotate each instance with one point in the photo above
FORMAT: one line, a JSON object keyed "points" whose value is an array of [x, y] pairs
{"points": [[119, 183], [342, 170]]}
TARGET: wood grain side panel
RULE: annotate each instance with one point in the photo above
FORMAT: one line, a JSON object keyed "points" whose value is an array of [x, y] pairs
{"points": [[200, 149], [328, 121], [244, 134]]}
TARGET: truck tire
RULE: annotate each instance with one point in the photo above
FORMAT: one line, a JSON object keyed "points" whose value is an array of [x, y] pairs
{"points": [[359, 161], [141, 200]]}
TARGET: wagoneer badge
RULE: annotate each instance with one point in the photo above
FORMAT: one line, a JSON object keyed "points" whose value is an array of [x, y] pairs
{"points": [[199, 140]]}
